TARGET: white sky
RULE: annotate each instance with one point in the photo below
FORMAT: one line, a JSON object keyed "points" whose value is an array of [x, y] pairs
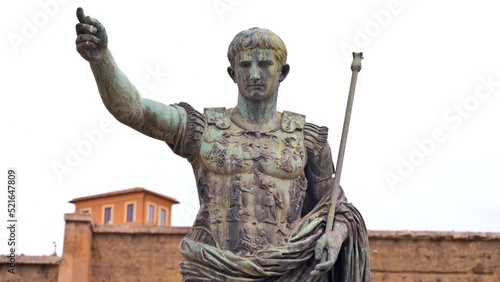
{"points": [[424, 81]]}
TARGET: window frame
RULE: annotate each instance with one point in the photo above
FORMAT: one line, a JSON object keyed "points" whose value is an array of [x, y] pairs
{"points": [[151, 215], [111, 208], [134, 212], [162, 221]]}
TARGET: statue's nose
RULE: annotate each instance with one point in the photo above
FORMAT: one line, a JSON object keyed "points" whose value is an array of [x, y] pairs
{"points": [[254, 73]]}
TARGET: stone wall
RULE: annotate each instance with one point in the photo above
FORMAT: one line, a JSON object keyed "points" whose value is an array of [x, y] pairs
{"points": [[133, 253], [150, 253], [30, 268], [435, 256]]}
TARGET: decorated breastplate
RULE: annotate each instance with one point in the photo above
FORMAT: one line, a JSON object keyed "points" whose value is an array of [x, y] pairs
{"points": [[251, 183]]}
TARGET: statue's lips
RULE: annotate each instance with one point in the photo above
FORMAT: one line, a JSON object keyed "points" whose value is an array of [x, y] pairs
{"points": [[255, 85]]}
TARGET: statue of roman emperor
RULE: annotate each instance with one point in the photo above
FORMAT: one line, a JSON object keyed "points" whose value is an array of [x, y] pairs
{"points": [[264, 177]]}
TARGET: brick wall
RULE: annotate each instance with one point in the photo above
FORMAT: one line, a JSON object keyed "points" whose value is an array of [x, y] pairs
{"points": [[150, 254]]}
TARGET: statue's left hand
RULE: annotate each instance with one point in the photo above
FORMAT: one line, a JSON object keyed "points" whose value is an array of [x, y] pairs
{"points": [[328, 247]]}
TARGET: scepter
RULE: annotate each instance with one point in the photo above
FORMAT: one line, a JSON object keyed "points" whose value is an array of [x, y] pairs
{"points": [[355, 67]]}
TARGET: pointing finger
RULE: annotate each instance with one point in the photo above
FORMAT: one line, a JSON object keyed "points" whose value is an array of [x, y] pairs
{"points": [[88, 20], [80, 15]]}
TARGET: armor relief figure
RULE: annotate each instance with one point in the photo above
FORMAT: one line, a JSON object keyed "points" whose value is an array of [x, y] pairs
{"points": [[264, 177]]}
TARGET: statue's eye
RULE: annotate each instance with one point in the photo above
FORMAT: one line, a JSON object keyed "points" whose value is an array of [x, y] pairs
{"points": [[265, 64], [245, 64]]}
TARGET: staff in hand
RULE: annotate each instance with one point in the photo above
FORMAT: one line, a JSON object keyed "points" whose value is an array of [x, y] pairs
{"points": [[356, 68]]}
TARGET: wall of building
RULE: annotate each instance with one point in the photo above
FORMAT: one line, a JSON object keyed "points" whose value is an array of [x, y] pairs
{"points": [[160, 203], [118, 204], [150, 253]]}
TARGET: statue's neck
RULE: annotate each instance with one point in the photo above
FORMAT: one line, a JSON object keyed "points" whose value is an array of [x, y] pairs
{"points": [[257, 115]]}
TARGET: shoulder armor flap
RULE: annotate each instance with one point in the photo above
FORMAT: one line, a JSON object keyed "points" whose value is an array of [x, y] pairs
{"points": [[292, 121], [217, 116], [316, 138]]}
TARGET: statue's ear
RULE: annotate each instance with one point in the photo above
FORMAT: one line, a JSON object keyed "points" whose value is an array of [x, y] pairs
{"points": [[231, 73], [285, 69]]}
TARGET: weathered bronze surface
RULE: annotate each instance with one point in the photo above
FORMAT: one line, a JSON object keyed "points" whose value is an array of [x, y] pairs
{"points": [[264, 178]]}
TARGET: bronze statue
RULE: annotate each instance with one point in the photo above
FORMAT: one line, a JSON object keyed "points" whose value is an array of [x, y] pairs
{"points": [[264, 178]]}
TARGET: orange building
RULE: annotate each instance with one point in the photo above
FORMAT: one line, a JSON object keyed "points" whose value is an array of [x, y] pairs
{"points": [[136, 206]]}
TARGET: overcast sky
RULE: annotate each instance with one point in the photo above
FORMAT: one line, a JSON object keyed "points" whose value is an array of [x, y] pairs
{"points": [[423, 150]]}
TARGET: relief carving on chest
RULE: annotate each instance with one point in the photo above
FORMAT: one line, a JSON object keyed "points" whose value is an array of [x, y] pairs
{"points": [[230, 152], [297, 195], [291, 156], [210, 208], [252, 181], [271, 198], [237, 210]]}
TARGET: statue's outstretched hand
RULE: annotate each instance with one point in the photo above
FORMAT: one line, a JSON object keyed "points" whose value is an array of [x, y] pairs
{"points": [[328, 247], [92, 40]]}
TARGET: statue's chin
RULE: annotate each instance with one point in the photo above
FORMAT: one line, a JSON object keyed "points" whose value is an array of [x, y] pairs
{"points": [[256, 95]]}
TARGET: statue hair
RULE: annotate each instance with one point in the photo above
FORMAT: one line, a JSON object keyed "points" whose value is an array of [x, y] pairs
{"points": [[256, 37]]}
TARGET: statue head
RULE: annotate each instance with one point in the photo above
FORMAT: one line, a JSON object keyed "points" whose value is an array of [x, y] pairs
{"points": [[256, 37], [258, 63]]}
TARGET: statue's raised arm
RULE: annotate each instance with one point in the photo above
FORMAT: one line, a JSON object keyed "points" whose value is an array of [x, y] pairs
{"points": [[119, 95]]}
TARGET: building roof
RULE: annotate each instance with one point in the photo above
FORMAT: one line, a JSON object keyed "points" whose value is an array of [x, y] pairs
{"points": [[122, 192]]}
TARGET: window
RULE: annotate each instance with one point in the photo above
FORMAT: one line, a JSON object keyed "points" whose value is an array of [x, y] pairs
{"points": [[163, 217], [130, 213], [151, 214], [107, 215]]}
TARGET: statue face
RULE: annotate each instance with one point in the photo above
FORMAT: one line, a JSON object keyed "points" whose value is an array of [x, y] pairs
{"points": [[257, 73]]}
